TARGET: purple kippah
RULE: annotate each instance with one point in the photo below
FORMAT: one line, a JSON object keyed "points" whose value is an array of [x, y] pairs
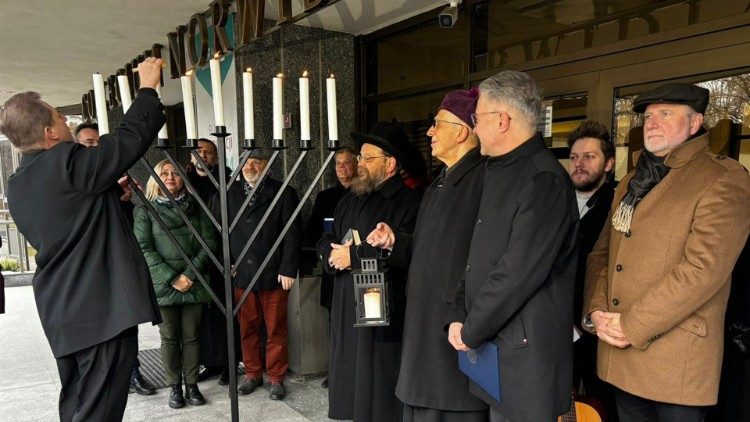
{"points": [[461, 103]]}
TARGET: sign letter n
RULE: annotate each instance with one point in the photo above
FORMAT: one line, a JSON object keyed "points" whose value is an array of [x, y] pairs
{"points": [[251, 19]]}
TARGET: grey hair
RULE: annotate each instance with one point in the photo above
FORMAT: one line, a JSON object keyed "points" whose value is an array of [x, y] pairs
{"points": [[516, 89], [23, 119]]}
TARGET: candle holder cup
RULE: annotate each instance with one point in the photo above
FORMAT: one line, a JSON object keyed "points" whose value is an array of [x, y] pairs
{"points": [[305, 145], [191, 144], [333, 145], [278, 144], [249, 144], [163, 143], [220, 132]]}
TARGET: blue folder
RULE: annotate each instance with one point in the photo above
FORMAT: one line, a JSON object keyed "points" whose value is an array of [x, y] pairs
{"points": [[482, 365]]}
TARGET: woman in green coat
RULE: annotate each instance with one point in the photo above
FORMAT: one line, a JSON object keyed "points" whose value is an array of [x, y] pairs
{"points": [[179, 293]]}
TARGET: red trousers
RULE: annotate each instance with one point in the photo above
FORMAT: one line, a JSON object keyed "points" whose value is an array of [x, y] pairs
{"points": [[271, 305]]}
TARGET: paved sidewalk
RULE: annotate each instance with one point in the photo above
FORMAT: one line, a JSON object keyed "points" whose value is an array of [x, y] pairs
{"points": [[29, 383]]}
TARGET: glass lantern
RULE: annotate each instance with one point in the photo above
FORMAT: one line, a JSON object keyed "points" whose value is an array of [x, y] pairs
{"points": [[370, 295]]}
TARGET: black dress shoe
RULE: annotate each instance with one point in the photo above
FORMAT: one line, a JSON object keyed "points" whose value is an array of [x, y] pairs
{"points": [[141, 386], [249, 385], [324, 384], [224, 377], [193, 395], [278, 391], [176, 400], [205, 372]]}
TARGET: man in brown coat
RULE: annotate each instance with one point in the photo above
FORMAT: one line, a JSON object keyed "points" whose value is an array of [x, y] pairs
{"points": [[658, 278]]}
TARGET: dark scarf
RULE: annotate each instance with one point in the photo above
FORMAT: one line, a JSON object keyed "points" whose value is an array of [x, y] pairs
{"points": [[649, 171]]}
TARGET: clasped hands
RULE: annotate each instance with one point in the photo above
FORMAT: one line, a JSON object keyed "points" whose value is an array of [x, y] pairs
{"points": [[608, 329], [339, 258], [183, 283]]}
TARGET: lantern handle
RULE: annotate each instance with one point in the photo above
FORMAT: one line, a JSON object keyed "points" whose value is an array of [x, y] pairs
{"points": [[380, 254]]}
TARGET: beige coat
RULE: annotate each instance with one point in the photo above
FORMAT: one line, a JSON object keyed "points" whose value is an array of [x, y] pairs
{"points": [[670, 277]]}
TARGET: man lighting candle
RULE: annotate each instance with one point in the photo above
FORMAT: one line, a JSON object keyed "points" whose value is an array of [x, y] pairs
{"points": [[89, 313]]}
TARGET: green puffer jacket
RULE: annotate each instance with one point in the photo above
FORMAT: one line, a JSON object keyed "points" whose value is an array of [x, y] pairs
{"points": [[164, 260]]}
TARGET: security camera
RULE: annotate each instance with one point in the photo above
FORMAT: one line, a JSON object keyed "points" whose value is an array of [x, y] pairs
{"points": [[448, 17]]}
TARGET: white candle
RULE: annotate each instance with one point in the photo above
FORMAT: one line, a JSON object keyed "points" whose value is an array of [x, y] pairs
{"points": [[333, 124], [101, 104], [163, 131], [215, 66], [278, 107], [304, 107], [187, 99], [124, 85], [247, 94], [372, 304]]}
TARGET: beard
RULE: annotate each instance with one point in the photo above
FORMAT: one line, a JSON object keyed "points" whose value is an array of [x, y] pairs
{"points": [[366, 182], [589, 183]]}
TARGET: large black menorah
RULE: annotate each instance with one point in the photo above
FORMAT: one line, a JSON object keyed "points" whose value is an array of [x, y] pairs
{"points": [[225, 226]]}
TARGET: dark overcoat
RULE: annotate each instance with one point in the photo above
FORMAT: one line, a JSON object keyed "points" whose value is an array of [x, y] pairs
{"points": [[285, 259], [429, 375], [517, 289], [323, 207], [91, 281], [364, 362]]}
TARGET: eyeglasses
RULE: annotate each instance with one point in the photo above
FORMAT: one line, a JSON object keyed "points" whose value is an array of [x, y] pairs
{"points": [[475, 119], [436, 121], [362, 158]]}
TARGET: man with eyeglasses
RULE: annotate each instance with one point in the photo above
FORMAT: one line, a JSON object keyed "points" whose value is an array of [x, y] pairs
{"points": [[430, 384], [517, 286], [364, 362]]}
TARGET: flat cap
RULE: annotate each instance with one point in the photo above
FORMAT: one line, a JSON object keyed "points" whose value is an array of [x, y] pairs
{"points": [[674, 93]]}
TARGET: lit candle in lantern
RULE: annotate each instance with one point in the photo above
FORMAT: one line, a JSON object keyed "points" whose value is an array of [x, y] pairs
{"points": [[278, 106], [247, 94], [163, 131], [333, 124], [215, 66], [187, 98], [372, 303], [124, 85], [101, 104], [304, 107]]}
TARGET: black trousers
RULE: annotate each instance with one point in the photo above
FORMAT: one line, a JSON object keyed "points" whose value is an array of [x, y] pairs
{"points": [[95, 380], [637, 409]]}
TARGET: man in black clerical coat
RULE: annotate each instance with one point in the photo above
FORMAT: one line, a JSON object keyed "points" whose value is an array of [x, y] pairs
{"points": [[364, 362], [517, 286], [430, 384], [64, 199]]}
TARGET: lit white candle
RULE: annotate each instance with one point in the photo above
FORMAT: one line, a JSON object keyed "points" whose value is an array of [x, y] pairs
{"points": [[333, 124], [163, 131], [215, 66], [372, 304], [304, 107], [101, 104], [187, 98], [278, 106], [124, 85], [247, 95]]}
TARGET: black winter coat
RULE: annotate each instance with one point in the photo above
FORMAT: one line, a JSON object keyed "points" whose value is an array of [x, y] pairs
{"points": [[517, 289], [285, 260], [91, 281], [429, 375], [363, 363]]}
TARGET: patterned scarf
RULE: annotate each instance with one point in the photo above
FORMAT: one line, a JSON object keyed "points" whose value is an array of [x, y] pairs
{"points": [[649, 171]]}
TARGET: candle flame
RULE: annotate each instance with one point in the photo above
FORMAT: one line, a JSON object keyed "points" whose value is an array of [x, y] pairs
{"points": [[189, 72], [280, 75], [332, 75], [304, 74], [217, 55], [250, 69]]}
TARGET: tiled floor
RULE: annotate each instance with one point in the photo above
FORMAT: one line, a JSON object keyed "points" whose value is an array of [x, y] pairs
{"points": [[29, 384]]}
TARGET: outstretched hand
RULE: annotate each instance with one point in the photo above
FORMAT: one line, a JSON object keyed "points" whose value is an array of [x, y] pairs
{"points": [[382, 237]]}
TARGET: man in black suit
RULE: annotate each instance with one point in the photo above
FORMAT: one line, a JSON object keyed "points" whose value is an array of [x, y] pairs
{"points": [[517, 286], [64, 199], [591, 169]]}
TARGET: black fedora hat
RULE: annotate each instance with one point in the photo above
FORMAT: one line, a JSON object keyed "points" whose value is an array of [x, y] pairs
{"points": [[387, 136]]}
